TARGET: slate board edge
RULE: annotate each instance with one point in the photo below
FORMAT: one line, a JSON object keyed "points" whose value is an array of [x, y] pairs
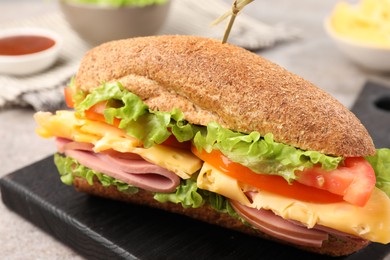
{"points": [[16, 197]]}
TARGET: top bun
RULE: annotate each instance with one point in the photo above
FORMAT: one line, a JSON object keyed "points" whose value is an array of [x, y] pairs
{"points": [[211, 81]]}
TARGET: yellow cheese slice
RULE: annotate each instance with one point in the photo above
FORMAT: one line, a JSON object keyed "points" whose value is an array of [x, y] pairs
{"points": [[211, 179], [63, 124], [370, 222], [179, 161], [104, 136]]}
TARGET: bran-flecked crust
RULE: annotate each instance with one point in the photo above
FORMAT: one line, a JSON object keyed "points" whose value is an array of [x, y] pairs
{"points": [[333, 247], [211, 81]]}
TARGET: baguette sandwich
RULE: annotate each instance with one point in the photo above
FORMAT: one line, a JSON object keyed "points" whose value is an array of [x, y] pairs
{"points": [[217, 133]]}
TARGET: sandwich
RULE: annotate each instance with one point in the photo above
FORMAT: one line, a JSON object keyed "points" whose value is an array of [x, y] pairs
{"points": [[212, 131]]}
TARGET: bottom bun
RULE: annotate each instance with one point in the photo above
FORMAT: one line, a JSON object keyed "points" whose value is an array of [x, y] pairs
{"points": [[334, 246]]}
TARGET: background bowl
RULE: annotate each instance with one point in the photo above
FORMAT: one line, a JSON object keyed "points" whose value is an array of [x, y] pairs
{"points": [[30, 63], [97, 24], [366, 55]]}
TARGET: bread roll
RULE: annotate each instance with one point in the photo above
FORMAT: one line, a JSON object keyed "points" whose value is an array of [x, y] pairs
{"points": [[334, 246], [211, 81]]}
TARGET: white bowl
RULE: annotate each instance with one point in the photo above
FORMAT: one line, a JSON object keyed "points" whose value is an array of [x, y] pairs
{"points": [[30, 63], [97, 24], [368, 56]]}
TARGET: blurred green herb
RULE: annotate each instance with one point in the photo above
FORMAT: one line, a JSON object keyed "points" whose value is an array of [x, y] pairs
{"points": [[118, 3]]}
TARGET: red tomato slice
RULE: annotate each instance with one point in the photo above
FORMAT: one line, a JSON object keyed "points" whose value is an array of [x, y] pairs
{"points": [[355, 180], [68, 93], [270, 183], [173, 142], [96, 113]]}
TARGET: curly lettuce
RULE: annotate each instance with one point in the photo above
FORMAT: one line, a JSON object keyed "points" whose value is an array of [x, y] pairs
{"points": [[118, 3], [68, 168], [380, 162], [259, 153], [186, 194], [189, 195], [136, 118]]}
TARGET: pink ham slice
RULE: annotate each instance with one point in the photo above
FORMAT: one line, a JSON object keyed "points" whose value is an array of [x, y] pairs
{"points": [[275, 226], [134, 171], [341, 235]]}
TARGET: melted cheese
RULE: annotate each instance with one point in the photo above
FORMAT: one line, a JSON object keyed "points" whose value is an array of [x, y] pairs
{"points": [[65, 124], [211, 179], [371, 222], [183, 163]]}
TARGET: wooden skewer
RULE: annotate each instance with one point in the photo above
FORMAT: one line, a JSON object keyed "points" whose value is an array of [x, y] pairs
{"points": [[237, 6]]}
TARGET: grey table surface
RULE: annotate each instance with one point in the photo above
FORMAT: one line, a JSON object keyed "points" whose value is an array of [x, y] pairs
{"points": [[312, 56]]}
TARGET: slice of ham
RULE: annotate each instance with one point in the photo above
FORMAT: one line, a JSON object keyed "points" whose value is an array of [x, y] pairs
{"points": [[66, 144], [341, 235], [275, 226], [129, 169], [132, 169]]}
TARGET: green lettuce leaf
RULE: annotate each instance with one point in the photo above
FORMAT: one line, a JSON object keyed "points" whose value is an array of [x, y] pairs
{"points": [[69, 167], [221, 204], [136, 119], [186, 194], [118, 3], [260, 153], [380, 162]]}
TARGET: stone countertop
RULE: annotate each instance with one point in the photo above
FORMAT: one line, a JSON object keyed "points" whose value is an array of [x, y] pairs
{"points": [[313, 56]]}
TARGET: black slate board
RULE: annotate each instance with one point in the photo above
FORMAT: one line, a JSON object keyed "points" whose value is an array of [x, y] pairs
{"points": [[373, 109], [103, 229]]}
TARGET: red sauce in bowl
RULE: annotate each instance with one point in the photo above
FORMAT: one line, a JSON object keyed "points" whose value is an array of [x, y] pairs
{"points": [[24, 44]]}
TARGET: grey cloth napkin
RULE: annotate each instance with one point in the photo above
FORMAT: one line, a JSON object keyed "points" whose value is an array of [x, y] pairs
{"points": [[43, 91]]}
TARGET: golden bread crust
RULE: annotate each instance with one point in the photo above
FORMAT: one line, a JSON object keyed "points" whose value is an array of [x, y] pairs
{"points": [[210, 81], [333, 247]]}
